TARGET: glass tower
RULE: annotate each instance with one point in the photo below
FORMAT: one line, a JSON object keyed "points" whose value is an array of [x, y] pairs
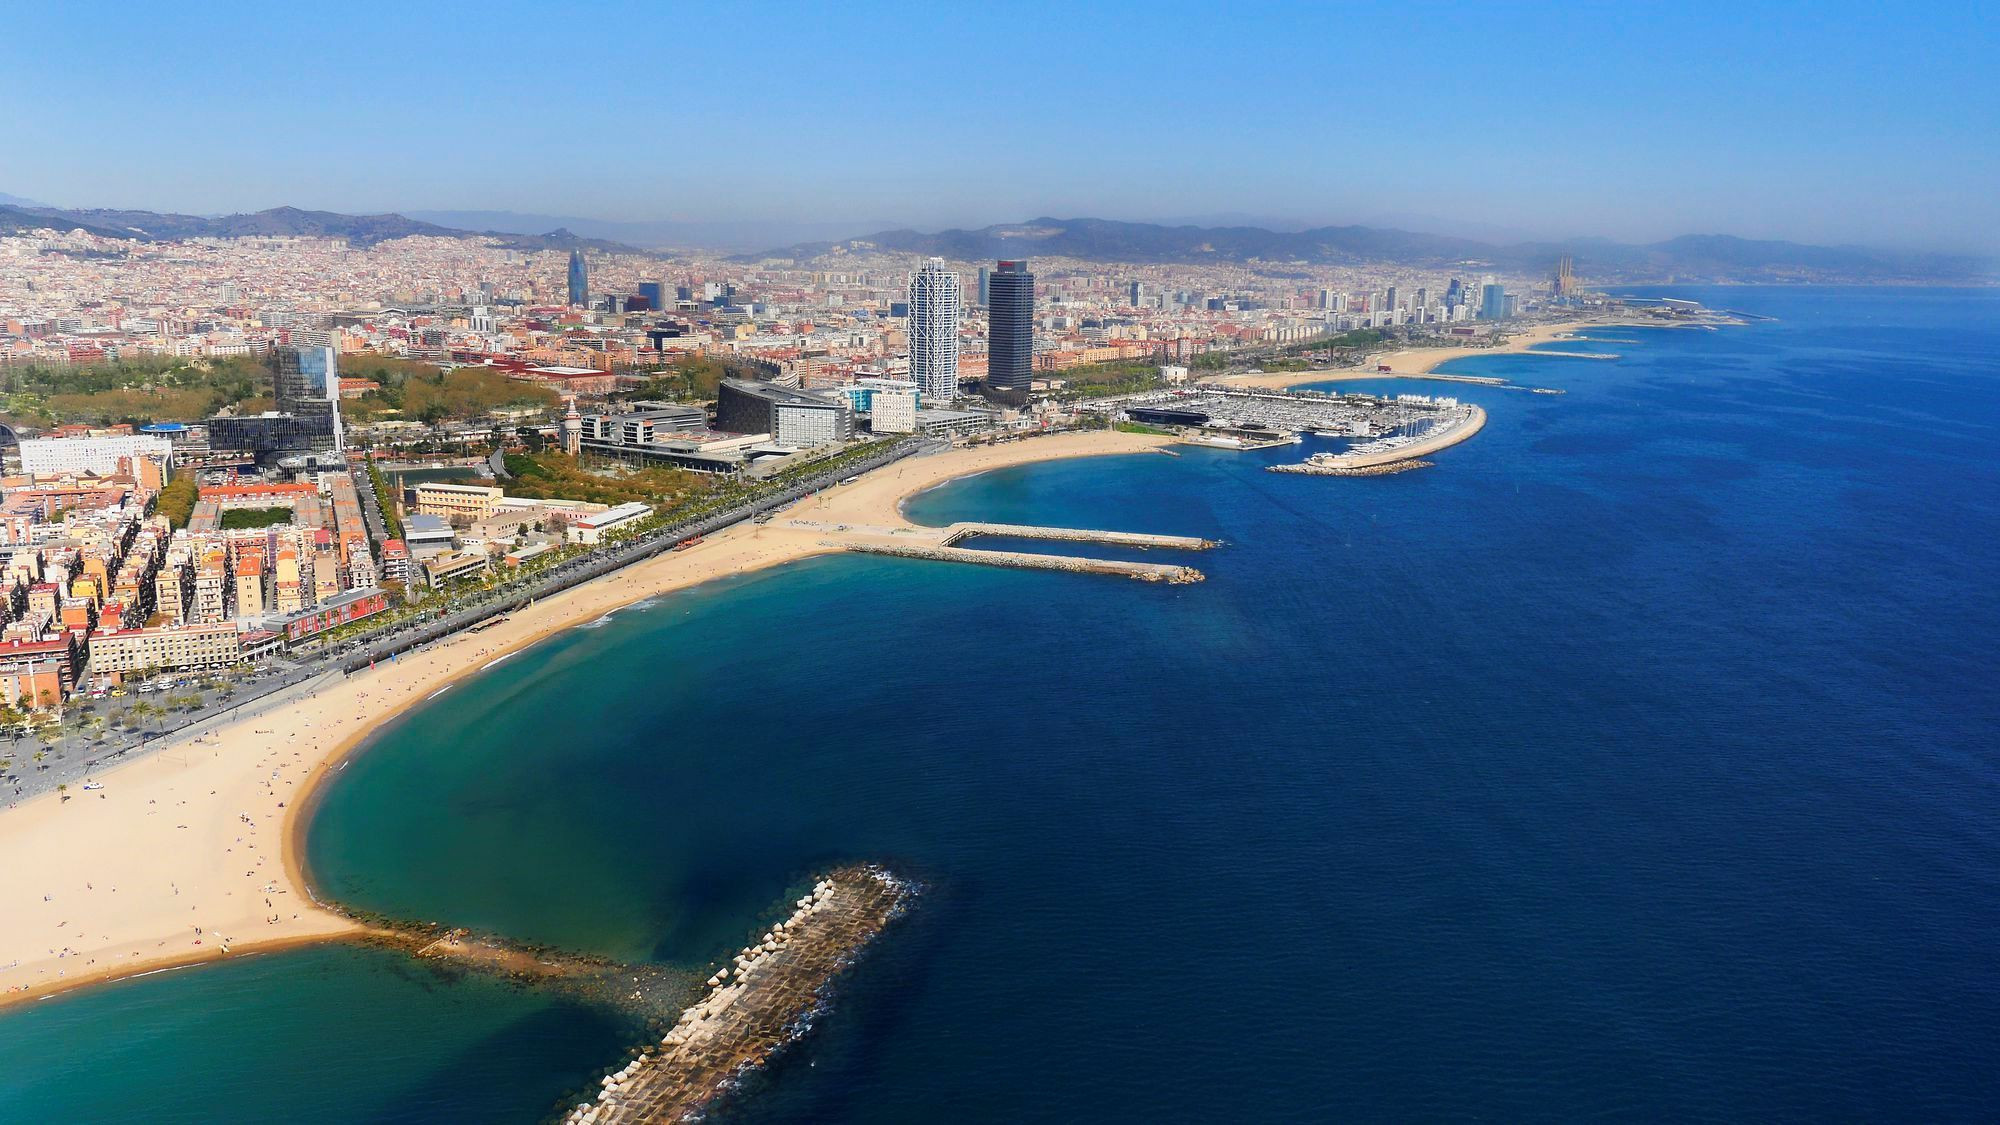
{"points": [[579, 280], [1010, 360]]}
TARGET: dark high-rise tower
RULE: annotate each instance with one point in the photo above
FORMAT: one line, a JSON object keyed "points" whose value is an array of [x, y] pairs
{"points": [[579, 280], [1010, 356]]}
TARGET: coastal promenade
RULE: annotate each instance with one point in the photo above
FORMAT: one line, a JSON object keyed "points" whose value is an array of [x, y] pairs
{"points": [[194, 852], [74, 761]]}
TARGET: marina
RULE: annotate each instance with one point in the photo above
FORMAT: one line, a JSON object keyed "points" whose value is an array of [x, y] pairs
{"points": [[1276, 417], [1392, 430]]}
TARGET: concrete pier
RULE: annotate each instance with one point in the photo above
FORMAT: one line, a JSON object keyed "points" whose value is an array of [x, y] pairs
{"points": [[942, 544], [960, 531], [754, 1007], [1143, 571]]}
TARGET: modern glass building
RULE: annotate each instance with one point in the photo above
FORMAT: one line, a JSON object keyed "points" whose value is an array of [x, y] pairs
{"points": [[1010, 359], [935, 306], [271, 434], [305, 381], [579, 280], [791, 417], [1492, 301]]}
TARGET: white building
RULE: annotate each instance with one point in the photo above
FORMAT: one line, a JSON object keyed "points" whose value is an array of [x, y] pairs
{"points": [[55, 456], [590, 530], [805, 425], [935, 303], [893, 412]]}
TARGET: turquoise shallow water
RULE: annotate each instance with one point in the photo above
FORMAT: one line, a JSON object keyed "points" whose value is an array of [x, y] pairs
{"points": [[1634, 761], [327, 1034]]}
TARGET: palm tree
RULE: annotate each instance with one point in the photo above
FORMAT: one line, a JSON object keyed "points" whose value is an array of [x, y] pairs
{"points": [[62, 791]]}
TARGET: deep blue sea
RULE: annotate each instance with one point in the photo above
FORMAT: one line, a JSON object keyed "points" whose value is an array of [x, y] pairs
{"points": [[1639, 760]]}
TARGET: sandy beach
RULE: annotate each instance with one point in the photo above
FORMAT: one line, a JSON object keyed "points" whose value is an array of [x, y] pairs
{"points": [[1410, 361], [192, 853]]}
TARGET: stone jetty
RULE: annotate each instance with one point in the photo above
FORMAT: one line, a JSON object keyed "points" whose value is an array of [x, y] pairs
{"points": [[941, 544], [956, 533], [1328, 469], [1143, 571], [753, 1007]]}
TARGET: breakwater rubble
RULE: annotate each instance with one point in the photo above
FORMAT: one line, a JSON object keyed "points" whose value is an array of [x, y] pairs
{"points": [[755, 1006], [1143, 571], [1308, 468]]}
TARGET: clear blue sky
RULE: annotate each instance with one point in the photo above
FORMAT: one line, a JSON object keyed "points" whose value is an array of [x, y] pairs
{"points": [[1859, 122]]}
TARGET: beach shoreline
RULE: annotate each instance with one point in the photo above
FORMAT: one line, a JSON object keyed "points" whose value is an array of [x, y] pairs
{"points": [[1408, 363], [254, 783]]}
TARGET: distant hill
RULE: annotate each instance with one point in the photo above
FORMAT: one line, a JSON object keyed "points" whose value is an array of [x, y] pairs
{"points": [[357, 230], [731, 235], [1692, 257], [14, 219], [1688, 258]]}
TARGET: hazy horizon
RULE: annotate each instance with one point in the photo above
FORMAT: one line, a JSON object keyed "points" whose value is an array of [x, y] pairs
{"points": [[1847, 126]]}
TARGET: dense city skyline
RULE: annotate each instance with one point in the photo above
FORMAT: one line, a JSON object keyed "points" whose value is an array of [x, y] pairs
{"points": [[1849, 127]]}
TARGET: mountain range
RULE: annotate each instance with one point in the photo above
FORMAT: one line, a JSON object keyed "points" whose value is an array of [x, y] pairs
{"points": [[1688, 258], [358, 230], [716, 234]]}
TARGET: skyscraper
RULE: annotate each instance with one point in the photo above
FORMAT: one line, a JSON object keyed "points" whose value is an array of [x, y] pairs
{"points": [[1010, 356], [1454, 295], [934, 314], [579, 280], [985, 290], [1136, 294], [1492, 301], [305, 381]]}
